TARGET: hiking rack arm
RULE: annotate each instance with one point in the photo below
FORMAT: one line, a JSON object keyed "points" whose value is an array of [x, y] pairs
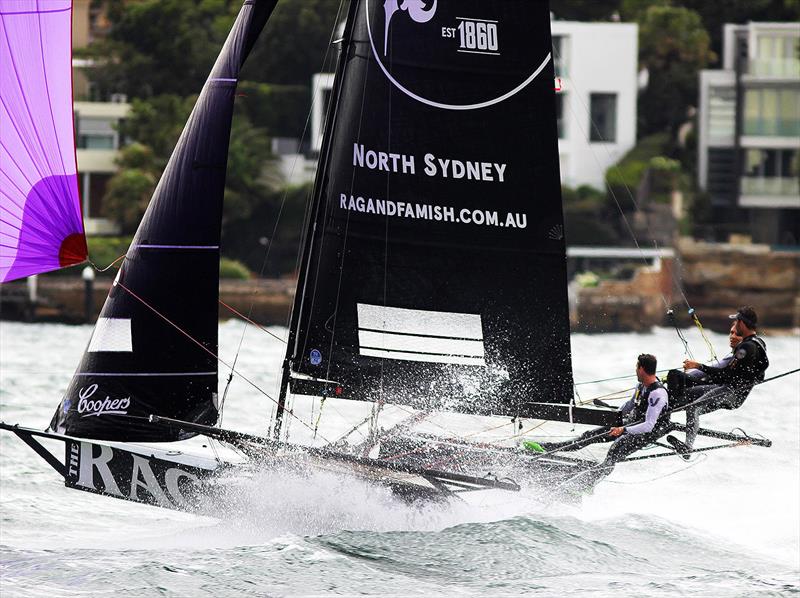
{"points": [[765, 442], [236, 438], [27, 436]]}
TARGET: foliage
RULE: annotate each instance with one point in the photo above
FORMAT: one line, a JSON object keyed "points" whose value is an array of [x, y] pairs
{"points": [[129, 190], [280, 109], [587, 221], [160, 47], [269, 241], [156, 125], [157, 122], [715, 14], [624, 177], [233, 269], [673, 46], [295, 43]]}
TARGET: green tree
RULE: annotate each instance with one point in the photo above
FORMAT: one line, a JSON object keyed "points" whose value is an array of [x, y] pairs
{"points": [[155, 125], [296, 43], [129, 190], [715, 14], [673, 46], [160, 46]]}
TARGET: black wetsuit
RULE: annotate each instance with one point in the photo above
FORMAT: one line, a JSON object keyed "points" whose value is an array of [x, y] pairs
{"points": [[729, 385]]}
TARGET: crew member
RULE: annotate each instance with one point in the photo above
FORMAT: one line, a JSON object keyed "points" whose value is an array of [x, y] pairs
{"points": [[678, 380], [645, 418], [731, 383]]}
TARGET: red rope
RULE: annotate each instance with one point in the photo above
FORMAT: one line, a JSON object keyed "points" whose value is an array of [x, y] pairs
{"points": [[210, 352]]}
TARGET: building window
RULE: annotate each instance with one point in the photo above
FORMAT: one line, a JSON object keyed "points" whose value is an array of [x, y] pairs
{"points": [[778, 56], [560, 100], [771, 172], [721, 113], [603, 126], [96, 142], [772, 112]]}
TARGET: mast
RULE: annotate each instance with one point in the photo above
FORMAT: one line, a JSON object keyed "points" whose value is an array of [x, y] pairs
{"points": [[313, 214]]}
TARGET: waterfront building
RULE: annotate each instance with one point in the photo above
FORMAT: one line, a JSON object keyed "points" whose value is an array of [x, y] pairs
{"points": [[596, 66], [97, 138], [749, 134], [98, 141]]}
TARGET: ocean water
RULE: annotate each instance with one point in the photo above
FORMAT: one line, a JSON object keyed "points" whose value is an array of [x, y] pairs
{"points": [[726, 523]]}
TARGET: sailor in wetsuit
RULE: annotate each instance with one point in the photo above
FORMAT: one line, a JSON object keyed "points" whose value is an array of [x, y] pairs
{"points": [[645, 417], [729, 385], [678, 380]]}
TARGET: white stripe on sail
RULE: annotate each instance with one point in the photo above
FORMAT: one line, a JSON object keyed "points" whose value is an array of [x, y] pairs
{"points": [[419, 321], [420, 335], [112, 334], [421, 357]]}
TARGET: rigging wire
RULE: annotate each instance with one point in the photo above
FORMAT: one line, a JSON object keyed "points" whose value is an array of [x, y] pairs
{"points": [[203, 347], [675, 280], [702, 330], [112, 264]]}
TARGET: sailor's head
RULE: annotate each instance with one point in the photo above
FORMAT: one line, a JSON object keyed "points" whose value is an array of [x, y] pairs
{"points": [[745, 321], [645, 366]]}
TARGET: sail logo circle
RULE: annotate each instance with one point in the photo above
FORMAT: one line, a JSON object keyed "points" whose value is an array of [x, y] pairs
{"points": [[474, 36], [315, 357]]}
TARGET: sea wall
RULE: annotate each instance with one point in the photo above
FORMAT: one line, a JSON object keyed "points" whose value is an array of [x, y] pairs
{"points": [[62, 299], [718, 277], [715, 278]]}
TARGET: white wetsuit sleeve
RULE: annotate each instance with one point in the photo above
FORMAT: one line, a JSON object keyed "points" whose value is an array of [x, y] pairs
{"points": [[657, 402]]}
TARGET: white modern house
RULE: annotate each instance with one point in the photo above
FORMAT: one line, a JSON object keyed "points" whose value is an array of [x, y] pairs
{"points": [[97, 141], [596, 66], [749, 132]]}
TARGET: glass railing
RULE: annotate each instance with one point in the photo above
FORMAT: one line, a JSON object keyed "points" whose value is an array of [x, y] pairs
{"points": [[784, 68], [772, 127], [772, 186]]}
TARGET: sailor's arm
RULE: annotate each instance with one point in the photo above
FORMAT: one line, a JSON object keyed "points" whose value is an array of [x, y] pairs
{"points": [[717, 375], [657, 402]]}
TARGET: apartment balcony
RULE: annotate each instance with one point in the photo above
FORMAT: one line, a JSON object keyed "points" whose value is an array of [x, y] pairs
{"points": [[775, 68], [770, 192]]}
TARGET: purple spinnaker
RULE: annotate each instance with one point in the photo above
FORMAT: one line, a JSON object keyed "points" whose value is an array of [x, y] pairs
{"points": [[41, 225]]}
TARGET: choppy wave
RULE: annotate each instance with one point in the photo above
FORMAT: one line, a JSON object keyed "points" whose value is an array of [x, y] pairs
{"points": [[724, 525]]}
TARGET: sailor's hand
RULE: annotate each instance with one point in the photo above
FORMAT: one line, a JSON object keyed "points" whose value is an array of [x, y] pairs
{"points": [[691, 365], [616, 431]]}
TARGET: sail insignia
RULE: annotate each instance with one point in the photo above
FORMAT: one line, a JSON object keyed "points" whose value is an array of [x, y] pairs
{"points": [[41, 223]]}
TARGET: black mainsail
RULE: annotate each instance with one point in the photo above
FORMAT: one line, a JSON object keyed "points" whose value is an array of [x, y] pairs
{"points": [[153, 350], [434, 267]]}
